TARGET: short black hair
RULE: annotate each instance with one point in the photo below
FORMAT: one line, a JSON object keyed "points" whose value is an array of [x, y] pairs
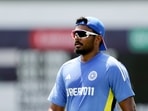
{"points": [[83, 19]]}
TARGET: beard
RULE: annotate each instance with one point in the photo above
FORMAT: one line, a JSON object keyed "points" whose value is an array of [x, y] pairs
{"points": [[83, 51], [80, 52]]}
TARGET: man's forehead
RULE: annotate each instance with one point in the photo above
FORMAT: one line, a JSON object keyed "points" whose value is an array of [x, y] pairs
{"points": [[83, 27]]}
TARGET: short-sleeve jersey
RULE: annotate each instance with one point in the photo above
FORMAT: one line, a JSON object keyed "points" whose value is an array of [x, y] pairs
{"points": [[96, 85]]}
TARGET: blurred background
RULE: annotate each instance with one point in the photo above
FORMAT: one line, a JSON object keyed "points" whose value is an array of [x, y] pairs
{"points": [[35, 40]]}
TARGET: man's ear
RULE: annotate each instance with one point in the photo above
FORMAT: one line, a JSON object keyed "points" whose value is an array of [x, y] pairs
{"points": [[99, 38]]}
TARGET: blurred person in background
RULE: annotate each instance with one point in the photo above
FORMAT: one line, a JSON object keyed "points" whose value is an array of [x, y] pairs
{"points": [[93, 81]]}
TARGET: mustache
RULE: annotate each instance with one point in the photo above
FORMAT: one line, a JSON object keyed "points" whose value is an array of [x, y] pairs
{"points": [[78, 43]]}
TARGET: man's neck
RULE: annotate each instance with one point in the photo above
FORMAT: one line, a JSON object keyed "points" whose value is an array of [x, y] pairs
{"points": [[87, 57]]}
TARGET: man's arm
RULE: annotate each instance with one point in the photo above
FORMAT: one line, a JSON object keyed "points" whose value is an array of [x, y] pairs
{"points": [[128, 104], [54, 107]]}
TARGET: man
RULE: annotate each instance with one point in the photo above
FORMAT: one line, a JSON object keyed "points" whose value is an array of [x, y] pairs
{"points": [[93, 81]]}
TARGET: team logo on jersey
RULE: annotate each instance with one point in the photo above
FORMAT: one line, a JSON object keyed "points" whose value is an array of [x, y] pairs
{"points": [[92, 75], [68, 77]]}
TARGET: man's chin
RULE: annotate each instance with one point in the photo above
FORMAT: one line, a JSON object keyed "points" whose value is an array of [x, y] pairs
{"points": [[78, 51]]}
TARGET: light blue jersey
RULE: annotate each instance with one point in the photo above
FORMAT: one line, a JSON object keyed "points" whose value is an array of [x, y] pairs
{"points": [[95, 85]]}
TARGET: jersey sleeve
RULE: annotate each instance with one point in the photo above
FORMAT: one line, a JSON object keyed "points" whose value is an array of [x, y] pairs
{"points": [[58, 93], [119, 82]]}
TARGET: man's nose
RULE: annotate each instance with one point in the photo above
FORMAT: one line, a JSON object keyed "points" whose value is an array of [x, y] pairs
{"points": [[77, 36]]}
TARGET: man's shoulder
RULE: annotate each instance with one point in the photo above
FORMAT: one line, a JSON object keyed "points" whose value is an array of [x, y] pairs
{"points": [[71, 61], [110, 60]]}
